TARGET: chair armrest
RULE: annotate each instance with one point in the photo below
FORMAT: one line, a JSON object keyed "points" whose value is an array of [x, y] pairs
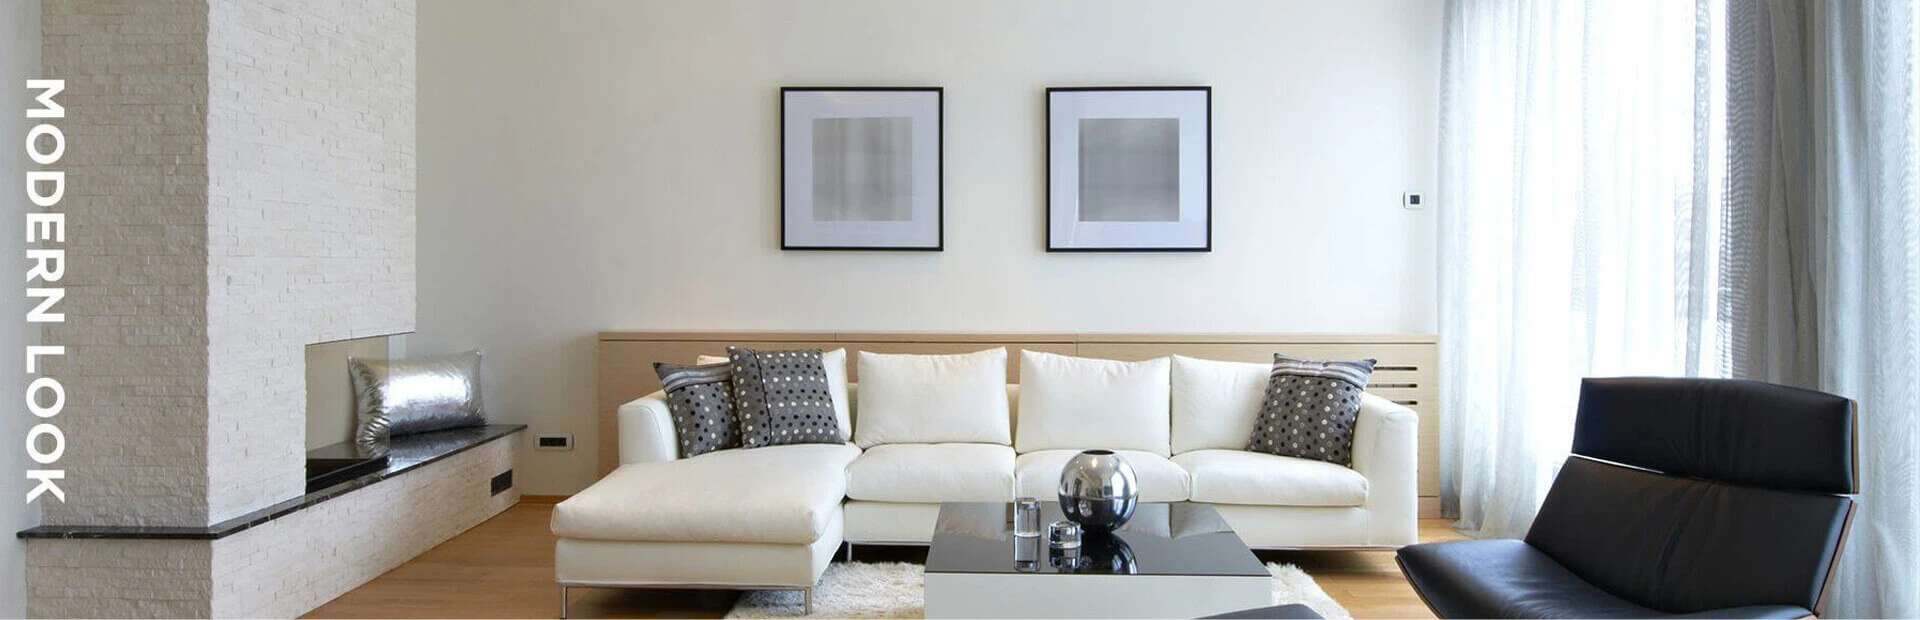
{"points": [[646, 431], [1386, 449]]}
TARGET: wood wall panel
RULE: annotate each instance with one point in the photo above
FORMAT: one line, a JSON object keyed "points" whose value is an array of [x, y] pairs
{"points": [[1407, 372]]}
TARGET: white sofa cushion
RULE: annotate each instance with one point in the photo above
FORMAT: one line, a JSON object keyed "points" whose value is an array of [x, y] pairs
{"points": [[920, 399], [1037, 474], [1081, 403], [1215, 404], [932, 473], [836, 363], [1260, 479], [778, 494]]}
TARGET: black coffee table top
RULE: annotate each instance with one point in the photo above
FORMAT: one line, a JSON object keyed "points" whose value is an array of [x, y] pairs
{"points": [[1161, 539]]}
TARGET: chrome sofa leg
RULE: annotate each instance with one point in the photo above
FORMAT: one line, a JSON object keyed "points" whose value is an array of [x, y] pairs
{"points": [[849, 552], [563, 603], [809, 606]]}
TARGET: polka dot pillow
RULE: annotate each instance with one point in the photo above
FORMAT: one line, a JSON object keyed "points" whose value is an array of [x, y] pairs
{"points": [[700, 400], [1310, 408], [782, 397]]}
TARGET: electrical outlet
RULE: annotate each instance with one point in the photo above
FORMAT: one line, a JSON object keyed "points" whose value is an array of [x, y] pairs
{"points": [[558, 443], [1412, 200]]}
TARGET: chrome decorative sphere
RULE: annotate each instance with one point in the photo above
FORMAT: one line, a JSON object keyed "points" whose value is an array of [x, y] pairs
{"points": [[1098, 490]]}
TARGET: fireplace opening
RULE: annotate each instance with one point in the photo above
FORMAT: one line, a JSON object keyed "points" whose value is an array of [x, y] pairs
{"points": [[332, 455]]}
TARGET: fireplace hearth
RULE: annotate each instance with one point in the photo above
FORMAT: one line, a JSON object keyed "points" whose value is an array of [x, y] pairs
{"points": [[340, 462]]}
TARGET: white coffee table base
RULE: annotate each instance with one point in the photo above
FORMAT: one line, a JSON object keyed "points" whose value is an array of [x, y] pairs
{"points": [[1040, 595]]}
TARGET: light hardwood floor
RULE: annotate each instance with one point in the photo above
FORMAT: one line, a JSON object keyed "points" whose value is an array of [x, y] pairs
{"points": [[503, 568]]}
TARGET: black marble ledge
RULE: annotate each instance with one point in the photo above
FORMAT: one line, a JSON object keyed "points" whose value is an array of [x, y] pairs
{"points": [[407, 454]]}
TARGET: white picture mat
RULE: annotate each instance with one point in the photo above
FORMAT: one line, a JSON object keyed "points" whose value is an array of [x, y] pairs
{"points": [[1065, 110], [800, 227]]}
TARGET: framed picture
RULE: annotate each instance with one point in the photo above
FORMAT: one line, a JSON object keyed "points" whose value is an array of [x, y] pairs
{"points": [[1130, 169], [860, 168]]}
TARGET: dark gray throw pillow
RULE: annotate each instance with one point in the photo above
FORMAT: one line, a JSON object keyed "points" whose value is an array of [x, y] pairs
{"points": [[1310, 409], [700, 399], [782, 397]]}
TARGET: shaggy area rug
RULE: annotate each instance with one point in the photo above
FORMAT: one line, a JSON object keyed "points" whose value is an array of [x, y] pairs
{"points": [[894, 590]]}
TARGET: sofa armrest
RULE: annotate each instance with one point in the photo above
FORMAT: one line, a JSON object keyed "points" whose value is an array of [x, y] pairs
{"points": [[1386, 449], [646, 431]]}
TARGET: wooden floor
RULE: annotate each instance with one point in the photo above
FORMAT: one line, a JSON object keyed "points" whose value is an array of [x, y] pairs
{"points": [[504, 569]]}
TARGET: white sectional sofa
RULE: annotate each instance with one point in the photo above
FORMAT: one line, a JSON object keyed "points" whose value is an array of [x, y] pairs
{"points": [[773, 517]]}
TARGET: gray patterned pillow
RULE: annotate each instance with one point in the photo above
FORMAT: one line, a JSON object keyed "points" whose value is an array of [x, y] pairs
{"points": [[1310, 409], [700, 398], [782, 397]]}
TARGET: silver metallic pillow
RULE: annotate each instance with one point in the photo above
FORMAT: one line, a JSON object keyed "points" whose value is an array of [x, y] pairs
{"points": [[415, 395]]}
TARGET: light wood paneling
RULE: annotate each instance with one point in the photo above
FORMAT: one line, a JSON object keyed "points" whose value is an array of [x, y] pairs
{"points": [[504, 569], [1407, 373]]}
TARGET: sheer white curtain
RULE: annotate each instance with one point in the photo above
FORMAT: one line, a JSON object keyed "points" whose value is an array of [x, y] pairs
{"points": [[1673, 188], [1865, 164], [1577, 188]]}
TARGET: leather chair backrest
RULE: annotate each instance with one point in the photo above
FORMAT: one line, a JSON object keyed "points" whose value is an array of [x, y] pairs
{"points": [[1742, 432], [1719, 493]]}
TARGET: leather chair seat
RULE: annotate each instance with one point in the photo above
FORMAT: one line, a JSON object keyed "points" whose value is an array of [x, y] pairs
{"points": [[1511, 579]]}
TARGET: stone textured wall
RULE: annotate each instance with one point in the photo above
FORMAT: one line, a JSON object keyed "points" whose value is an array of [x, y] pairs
{"points": [[136, 202], [310, 225], [119, 579], [280, 569], [291, 565], [240, 184]]}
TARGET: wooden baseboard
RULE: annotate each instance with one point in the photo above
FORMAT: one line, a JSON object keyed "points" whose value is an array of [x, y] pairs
{"points": [[543, 499]]}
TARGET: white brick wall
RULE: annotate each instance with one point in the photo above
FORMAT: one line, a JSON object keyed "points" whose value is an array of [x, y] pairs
{"points": [[241, 184], [294, 564], [136, 197], [310, 160], [283, 568], [119, 578]]}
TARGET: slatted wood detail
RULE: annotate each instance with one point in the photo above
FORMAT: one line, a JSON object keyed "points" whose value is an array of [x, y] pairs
{"points": [[1407, 371]]}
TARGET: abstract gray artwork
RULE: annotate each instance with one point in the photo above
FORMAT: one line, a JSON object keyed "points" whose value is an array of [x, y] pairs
{"points": [[1129, 169], [863, 169]]}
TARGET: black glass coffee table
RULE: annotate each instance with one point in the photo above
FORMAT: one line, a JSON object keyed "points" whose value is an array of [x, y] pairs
{"points": [[1170, 561]]}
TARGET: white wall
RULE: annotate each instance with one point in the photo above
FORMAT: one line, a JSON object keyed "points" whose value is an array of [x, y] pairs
{"points": [[310, 218], [608, 165], [19, 60]]}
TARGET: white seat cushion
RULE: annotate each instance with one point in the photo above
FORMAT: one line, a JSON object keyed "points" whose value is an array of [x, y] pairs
{"points": [[1079, 403], [1037, 474], [1260, 479], [1215, 404], [923, 399], [835, 362], [778, 494], [932, 473]]}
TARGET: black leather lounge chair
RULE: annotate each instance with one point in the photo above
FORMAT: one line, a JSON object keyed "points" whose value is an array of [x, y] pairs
{"points": [[1693, 497]]}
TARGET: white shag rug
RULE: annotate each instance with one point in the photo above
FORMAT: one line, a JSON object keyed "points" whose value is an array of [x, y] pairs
{"points": [[894, 590]]}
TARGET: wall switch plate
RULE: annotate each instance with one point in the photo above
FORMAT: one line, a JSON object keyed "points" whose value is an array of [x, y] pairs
{"points": [[1412, 200], [553, 442]]}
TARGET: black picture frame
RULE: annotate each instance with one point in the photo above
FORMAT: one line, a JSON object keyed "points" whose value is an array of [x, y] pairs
{"points": [[1046, 214], [940, 190]]}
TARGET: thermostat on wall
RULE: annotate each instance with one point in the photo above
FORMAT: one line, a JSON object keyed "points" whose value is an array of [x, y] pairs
{"points": [[553, 442]]}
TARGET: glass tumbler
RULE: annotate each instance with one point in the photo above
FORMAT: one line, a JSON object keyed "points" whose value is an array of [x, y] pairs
{"points": [[1026, 517], [1064, 535]]}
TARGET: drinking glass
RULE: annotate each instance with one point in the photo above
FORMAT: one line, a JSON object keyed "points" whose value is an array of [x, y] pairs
{"points": [[1026, 517]]}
